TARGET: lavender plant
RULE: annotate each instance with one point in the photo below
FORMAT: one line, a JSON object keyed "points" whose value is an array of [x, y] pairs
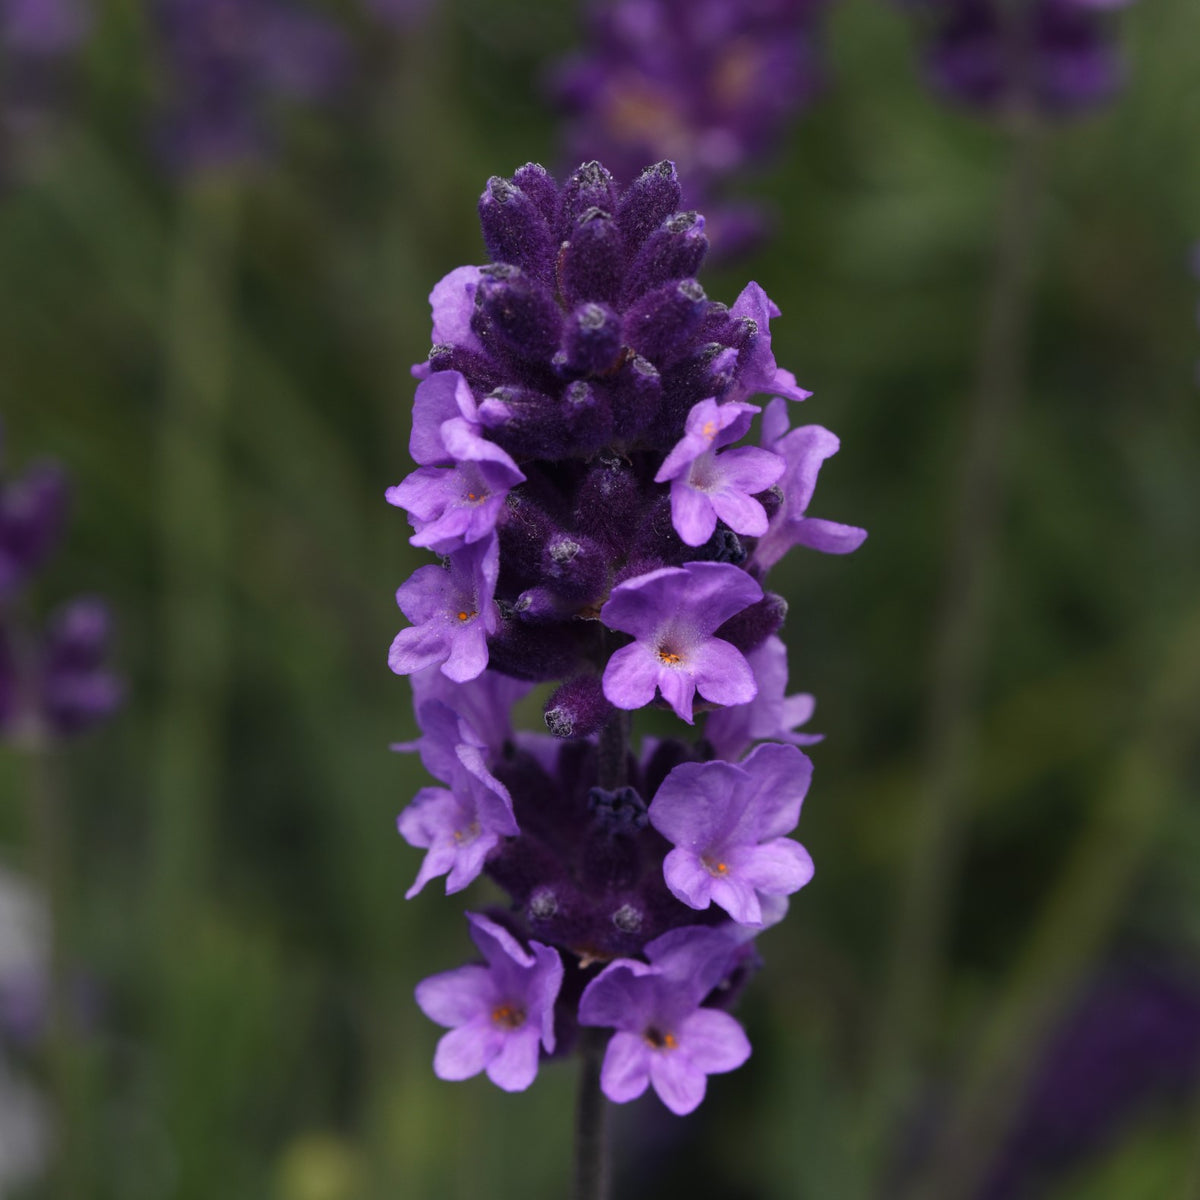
{"points": [[710, 85], [576, 430]]}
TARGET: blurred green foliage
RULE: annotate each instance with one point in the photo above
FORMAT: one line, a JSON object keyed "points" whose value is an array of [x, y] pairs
{"points": [[237, 885]]}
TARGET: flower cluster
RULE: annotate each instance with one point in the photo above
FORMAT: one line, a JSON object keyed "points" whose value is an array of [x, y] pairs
{"points": [[228, 62], [1052, 56], [53, 682], [576, 430], [711, 85]]}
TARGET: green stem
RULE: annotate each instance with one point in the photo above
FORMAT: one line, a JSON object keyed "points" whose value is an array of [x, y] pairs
{"points": [[951, 717], [193, 551]]}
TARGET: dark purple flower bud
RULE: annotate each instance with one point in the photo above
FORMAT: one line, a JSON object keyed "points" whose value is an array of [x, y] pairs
{"points": [[610, 499], [539, 652], [515, 231], [516, 313], [651, 199], [586, 416], [748, 629], [575, 568], [480, 370], [661, 324], [673, 251], [636, 391], [591, 265], [590, 186], [578, 708], [525, 422], [592, 343], [536, 182]]}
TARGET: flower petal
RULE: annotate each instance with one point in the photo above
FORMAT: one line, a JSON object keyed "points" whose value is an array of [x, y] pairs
{"points": [[626, 1068]]}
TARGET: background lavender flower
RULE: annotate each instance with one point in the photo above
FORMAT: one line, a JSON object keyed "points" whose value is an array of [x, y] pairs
{"points": [[710, 85], [32, 512], [228, 63], [1053, 56]]}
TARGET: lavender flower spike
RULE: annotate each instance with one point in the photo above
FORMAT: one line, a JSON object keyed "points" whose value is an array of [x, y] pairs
{"points": [[460, 826], [727, 824], [803, 450], [664, 1038], [706, 486], [453, 613], [673, 613], [498, 1015]]}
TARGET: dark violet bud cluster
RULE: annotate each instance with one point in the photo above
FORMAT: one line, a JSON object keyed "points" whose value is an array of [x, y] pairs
{"points": [[710, 85], [228, 62], [1051, 56], [578, 431], [54, 681]]}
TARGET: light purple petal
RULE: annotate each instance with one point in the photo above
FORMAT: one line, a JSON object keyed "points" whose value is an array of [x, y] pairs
{"points": [[619, 996], [750, 470], [776, 868], [438, 861], [680, 1084], [828, 536], [465, 1051], [687, 878], [722, 673], [698, 804], [452, 302], [468, 657], [427, 593], [743, 514], [678, 690], [714, 1041], [437, 400], [496, 944], [737, 898], [419, 647], [631, 676], [635, 605], [471, 853], [779, 778], [715, 592], [693, 514], [515, 1067], [455, 997], [626, 1068]]}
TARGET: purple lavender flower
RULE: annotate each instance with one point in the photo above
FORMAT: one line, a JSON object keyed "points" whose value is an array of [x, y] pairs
{"points": [[498, 1015], [707, 487], [664, 1037], [1054, 56], [78, 690], [452, 613], [728, 825], [32, 511], [674, 613], [772, 714], [760, 372], [803, 451], [42, 28], [710, 85], [229, 61], [460, 825]]}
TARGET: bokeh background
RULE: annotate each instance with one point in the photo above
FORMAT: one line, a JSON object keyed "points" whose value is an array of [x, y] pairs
{"points": [[219, 355]]}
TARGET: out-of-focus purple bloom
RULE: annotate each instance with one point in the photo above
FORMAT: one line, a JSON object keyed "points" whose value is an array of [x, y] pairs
{"points": [[459, 825], [772, 715], [402, 15], [803, 451], [707, 487], [228, 62], [1052, 56], [42, 28], [674, 613], [32, 511], [663, 1037], [729, 824], [1130, 1044], [710, 84], [498, 1015], [78, 689], [452, 612]]}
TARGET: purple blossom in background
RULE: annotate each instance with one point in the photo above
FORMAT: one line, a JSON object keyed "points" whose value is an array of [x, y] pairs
{"points": [[803, 450], [575, 431], [673, 614], [32, 511], [728, 825], [498, 1015], [663, 1036], [227, 63], [1052, 56], [710, 84]]}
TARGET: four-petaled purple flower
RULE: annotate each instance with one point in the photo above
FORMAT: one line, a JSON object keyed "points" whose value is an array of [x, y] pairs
{"points": [[498, 1015], [728, 824], [458, 825], [673, 613], [707, 486], [664, 1037], [803, 451], [452, 612]]}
